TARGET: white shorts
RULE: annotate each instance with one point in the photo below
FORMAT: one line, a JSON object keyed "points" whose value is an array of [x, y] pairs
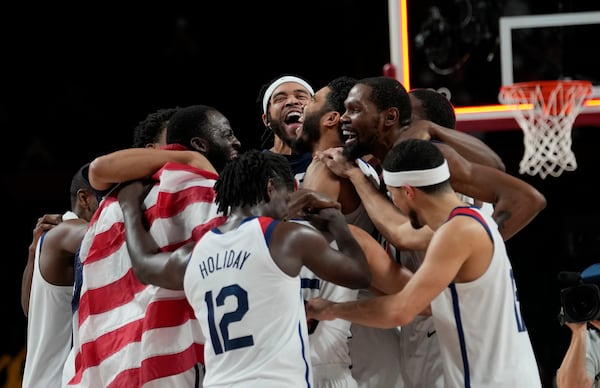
{"points": [[333, 376], [421, 363]]}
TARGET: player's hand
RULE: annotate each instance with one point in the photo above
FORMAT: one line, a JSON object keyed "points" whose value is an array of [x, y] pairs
{"points": [[318, 308], [327, 219], [131, 194], [576, 326], [44, 223], [336, 161], [305, 201], [418, 129]]}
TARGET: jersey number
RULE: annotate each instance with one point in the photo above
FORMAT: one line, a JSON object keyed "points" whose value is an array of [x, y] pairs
{"points": [[230, 317]]}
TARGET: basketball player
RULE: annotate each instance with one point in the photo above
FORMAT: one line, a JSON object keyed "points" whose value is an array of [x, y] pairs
{"points": [[49, 327], [466, 277], [282, 101], [242, 277]]}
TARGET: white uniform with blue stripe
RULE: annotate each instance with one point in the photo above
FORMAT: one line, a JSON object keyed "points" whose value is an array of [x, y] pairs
{"points": [[483, 339], [251, 312], [330, 355]]}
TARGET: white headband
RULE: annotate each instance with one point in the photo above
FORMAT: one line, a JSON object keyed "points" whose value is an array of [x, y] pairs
{"points": [[417, 178], [282, 80]]}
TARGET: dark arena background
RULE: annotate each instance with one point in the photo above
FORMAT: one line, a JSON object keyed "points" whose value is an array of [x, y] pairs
{"points": [[74, 83]]}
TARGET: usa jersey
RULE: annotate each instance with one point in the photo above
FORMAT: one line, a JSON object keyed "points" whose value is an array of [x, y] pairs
{"points": [[483, 339], [330, 354], [250, 311]]}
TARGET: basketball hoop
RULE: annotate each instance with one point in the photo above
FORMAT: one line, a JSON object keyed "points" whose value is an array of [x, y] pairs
{"points": [[546, 122]]}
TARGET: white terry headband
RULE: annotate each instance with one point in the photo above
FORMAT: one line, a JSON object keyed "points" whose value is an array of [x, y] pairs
{"points": [[417, 178], [282, 80]]}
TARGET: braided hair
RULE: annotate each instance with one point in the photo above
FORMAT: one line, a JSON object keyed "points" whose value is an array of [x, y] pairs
{"points": [[243, 181]]}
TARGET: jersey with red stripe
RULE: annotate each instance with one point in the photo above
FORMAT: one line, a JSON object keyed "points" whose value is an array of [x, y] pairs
{"points": [[127, 334]]}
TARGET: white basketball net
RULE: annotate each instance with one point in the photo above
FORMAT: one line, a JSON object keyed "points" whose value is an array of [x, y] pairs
{"points": [[547, 126]]}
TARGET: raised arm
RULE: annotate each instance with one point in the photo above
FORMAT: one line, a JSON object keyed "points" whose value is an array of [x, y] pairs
{"points": [[149, 264], [468, 146], [135, 163], [516, 203], [294, 245], [388, 220], [387, 276]]}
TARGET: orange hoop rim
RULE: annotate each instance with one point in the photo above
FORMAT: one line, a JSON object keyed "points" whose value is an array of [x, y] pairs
{"points": [[582, 88]]}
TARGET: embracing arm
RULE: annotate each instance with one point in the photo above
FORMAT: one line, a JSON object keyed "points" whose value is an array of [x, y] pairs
{"points": [[387, 311], [388, 220], [163, 269], [44, 223], [468, 146], [294, 245], [516, 203], [443, 262], [387, 276], [135, 163]]}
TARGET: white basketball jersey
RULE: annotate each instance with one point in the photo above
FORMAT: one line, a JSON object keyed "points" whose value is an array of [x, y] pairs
{"points": [[330, 355], [250, 311], [483, 339]]}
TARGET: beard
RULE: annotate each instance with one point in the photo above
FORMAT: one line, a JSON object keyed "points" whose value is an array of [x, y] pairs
{"points": [[218, 157], [301, 146], [414, 220], [279, 131], [311, 133], [355, 150]]}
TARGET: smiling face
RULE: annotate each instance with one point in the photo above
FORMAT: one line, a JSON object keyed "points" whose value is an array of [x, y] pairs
{"points": [[285, 108], [223, 144], [309, 133], [361, 123]]}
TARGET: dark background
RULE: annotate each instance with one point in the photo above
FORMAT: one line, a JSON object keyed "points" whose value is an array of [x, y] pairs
{"points": [[74, 83]]}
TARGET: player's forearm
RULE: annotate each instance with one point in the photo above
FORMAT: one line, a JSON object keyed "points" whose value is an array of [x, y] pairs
{"points": [[386, 218], [513, 214], [141, 245], [381, 211], [26, 281], [348, 245], [375, 312], [468, 146], [135, 163]]}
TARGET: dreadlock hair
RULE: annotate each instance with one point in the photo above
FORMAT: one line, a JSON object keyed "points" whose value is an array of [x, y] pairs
{"points": [[338, 91], [243, 181], [436, 107], [189, 122], [78, 182], [414, 155], [149, 129], [388, 92]]}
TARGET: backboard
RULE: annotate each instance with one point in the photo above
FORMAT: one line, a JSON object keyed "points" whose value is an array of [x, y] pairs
{"points": [[469, 49]]}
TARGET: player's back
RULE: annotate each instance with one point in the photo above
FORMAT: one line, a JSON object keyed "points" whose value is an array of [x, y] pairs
{"points": [[251, 312]]}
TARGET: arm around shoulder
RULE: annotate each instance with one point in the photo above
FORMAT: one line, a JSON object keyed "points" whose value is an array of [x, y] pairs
{"points": [[135, 163]]}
